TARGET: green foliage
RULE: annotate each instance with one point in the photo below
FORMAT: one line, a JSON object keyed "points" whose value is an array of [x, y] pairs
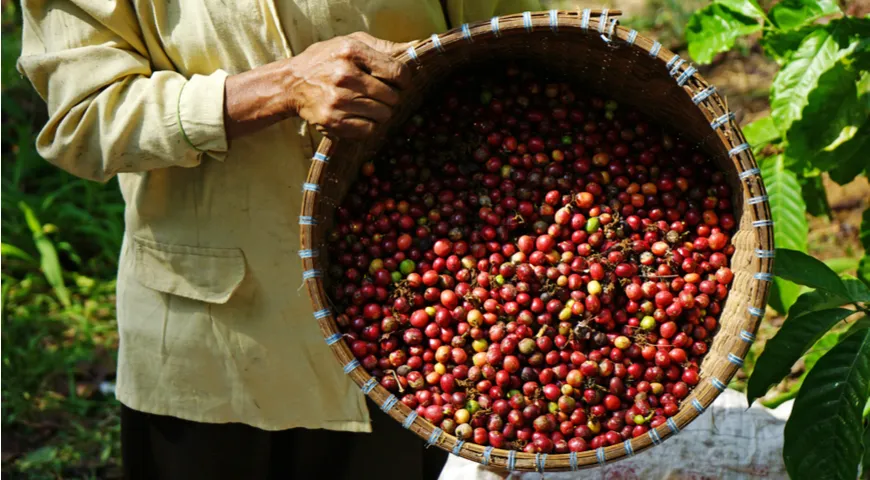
{"points": [[803, 269], [836, 387], [788, 210], [780, 44], [53, 360], [813, 191], [816, 54], [761, 132], [60, 240], [864, 264], [820, 107], [799, 332], [48, 255], [792, 14], [829, 406], [819, 124], [715, 28], [835, 126], [820, 98]]}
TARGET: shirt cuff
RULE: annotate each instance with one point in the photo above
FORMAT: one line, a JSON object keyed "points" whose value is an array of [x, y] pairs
{"points": [[201, 113]]}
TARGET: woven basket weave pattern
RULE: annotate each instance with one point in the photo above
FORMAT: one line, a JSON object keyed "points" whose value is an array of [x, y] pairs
{"points": [[590, 48]]}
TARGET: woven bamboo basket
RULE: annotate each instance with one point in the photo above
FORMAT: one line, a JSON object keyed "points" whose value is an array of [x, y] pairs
{"points": [[592, 49]]}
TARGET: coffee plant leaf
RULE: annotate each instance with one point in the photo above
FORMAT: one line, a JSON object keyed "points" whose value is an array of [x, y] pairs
{"points": [[792, 14], [805, 270], [834, 128], [864, 269], [761, 132], [715, 28], [793, 339], [865, 229], [823, 435], [815, 196], [780, 44], [817, 53], [787, 208], [750, 8]]}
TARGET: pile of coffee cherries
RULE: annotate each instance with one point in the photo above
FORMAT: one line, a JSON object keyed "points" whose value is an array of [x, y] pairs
{"points": [[532, 268]]}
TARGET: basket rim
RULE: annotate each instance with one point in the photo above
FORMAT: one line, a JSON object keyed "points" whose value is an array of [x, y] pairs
{"points": [[605, 23]]}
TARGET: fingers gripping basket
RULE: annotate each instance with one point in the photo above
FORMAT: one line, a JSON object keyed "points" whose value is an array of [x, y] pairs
{"points": [[592, 49]]}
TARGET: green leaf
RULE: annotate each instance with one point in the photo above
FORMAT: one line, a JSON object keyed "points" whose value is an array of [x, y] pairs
{"points": [[817, 54], [823, 435], [834, 129], [815, 196], [750, 8], [814, 301], [858, 291], [786, 204], [795, 337], [761, 132], [783, 294], [818, 350], [865, 229], [48, 255], [715, 28], [13, 251], [853, 156], [866, 463], [788, 209], [790, 14], [861, 323], [864, 269], [780, 44], [864, 263], [803, 269]]}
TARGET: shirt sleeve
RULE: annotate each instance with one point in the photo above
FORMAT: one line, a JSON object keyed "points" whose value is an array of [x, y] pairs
{"points": [[109, 111]]}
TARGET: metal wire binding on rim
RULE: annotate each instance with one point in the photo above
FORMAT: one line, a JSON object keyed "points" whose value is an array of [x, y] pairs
{"points": [[611, 26], [466, 33], [527, 22]]}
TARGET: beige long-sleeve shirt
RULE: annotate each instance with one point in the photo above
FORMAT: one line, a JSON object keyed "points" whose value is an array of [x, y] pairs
{"points": [[213, 325]]}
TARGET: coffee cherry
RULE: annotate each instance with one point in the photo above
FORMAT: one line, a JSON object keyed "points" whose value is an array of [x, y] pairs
{"points": [[523, 263]]}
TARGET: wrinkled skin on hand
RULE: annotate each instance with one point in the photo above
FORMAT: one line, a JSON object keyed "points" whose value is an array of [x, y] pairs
{"points": [[344, 86]]}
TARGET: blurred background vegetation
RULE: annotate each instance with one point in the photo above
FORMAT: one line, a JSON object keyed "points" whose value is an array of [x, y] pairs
{"points": [[61, 236], [60, 240]]}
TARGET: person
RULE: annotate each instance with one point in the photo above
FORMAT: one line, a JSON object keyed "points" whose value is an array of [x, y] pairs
{"points": [[207, 113]]}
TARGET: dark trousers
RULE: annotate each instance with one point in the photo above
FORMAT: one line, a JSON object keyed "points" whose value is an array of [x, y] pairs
{"points": [[168, 448]]}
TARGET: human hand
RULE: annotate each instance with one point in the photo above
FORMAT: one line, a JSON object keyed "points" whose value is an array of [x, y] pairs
{"points": [[345, 87]]}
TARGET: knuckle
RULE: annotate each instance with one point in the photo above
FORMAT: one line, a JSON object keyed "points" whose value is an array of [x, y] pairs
{"points": [[343, 75], [347, 49], [333, 122], [334, 101]]}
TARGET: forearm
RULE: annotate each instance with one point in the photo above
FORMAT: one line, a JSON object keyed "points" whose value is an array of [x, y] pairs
{"points": [[258, 98]]}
